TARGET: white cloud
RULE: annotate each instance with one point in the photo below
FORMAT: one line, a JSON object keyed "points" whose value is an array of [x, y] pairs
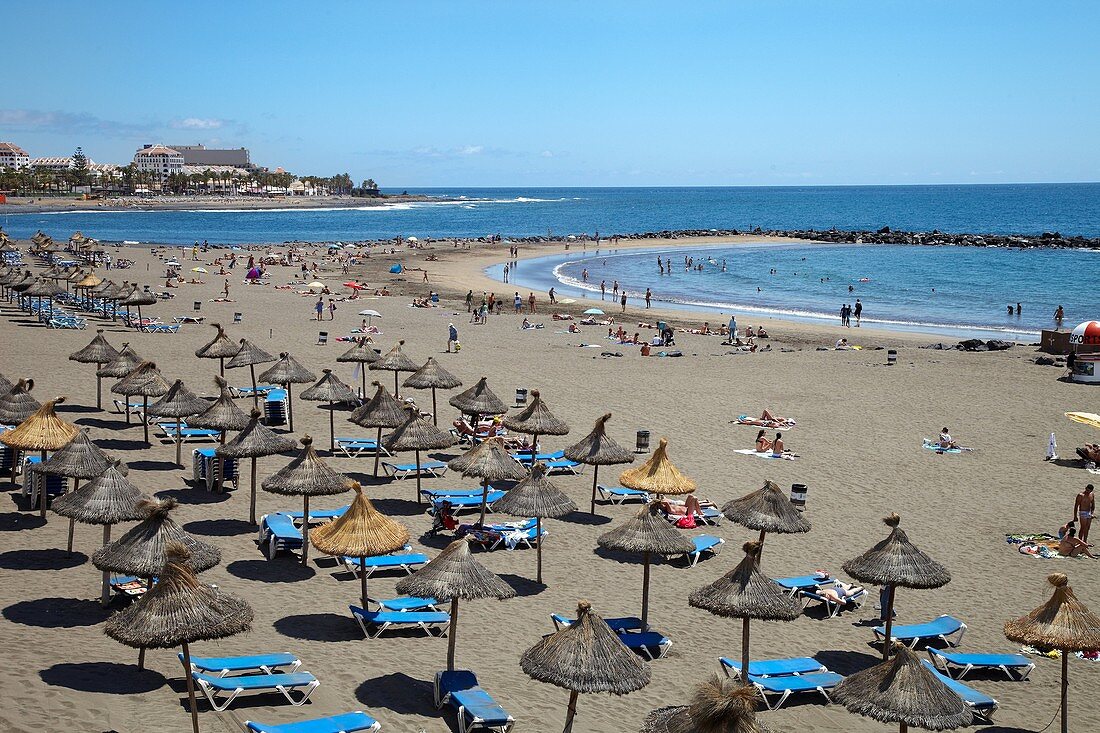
{"points": [[546, 154], [198, 123], [471, 150]]}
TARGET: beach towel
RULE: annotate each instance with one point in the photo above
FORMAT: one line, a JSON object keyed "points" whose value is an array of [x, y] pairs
{"points": [[751, 452], [1093, 656], [1029, 539], [758, 423], [934, 446], [1049, 654]]}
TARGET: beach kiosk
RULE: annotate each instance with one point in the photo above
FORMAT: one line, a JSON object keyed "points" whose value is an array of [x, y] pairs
{"points": [[1086, 366]]}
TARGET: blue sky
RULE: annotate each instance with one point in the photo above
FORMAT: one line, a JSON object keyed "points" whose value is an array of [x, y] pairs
{"points": [[571, 93]]}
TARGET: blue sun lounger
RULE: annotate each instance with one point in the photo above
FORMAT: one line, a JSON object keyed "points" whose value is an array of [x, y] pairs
{"points": [[406, 603], [473, 501], [831, 606], [266, 663], [433, 494], [782, 687], [981, 704], [408, 470], [320, 515], [407, 561], [476, 708], [943, 628], [620, 494], [773, 667], [222, 691], [703, 543], [801, 582], [427, 621], [525, 456], [619, 625], [280, 534], [957, 665], [185, 433], [357, 722], [356, 447], [563, 465], [650, 644]]}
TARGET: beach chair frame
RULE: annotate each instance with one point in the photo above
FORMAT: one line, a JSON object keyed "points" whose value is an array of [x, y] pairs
{"points": [[912, 642], [278, 683], [434, 469], [393, 617], [957, 670]]}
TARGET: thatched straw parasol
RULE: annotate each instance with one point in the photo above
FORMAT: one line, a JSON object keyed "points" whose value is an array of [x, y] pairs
{"points": [[254, 441], [903, 691], [362, 531], [1062, 623], [138, 297], [98, 352], [477, 401], [432, 376], [250, 355], [108, 500], [649, 533], [223, 414], [716, 706], [142, 551], [285, 372], [767, 509], [489, 461], [361, 353], [306, 476], [17, 404], [896, 561], [417, 434], [658, 475], [747, 594], [395, 361], [178, 402], [329, 389], [586, 656], [536, 497], [596, 449], [535, 420], [146, 381], [452, 575], [126, 362], [43, 431], [221, 347], [380, 411], [180, 610], [43, 288]]}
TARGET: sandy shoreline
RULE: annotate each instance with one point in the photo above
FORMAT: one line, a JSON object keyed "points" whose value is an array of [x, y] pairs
{"points": [[859, 434]]}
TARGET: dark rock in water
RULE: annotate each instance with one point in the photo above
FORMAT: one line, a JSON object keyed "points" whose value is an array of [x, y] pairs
{"points": [[884, 230], [1044, 361], [971, 345], [998, 345]]}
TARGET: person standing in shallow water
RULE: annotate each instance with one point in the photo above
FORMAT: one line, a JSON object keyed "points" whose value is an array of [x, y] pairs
{"points": [[858, 312], [648, 296], [622, 302]]}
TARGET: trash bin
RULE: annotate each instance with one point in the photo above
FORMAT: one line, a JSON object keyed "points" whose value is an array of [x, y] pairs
{"points": [[642, 444], [891, 357], [798, 496], [198, 305], [521, 397]]}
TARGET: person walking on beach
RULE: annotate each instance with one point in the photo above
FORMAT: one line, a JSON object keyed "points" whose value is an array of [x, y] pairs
{"points": [[648, 296], [331, 309], [1083, 509], [614, 290], [319, 307], [492, 301], [530, 302], [452, 336], [469, 301], [858, 311], [225, 289], [553, 297], [517, 303], [622, 302]]}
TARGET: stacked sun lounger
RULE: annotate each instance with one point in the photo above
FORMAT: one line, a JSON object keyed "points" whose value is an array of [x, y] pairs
{"points": [[275, 407], [646, 642], [39, 486], [778, 679], [475, 708], [279, 533], [222, 679], [205, 466]]}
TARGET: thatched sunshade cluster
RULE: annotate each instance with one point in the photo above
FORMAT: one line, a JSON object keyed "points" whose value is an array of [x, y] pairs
{"points": [[98, 352], [647, 533], [16, 405], [585, 657], [535, 420], [221, 347], [43, 431], [178, 402], [417, 434], [596, 449], [330, 389], [254, 441], [902, 690], [145, 381], [536, 497], [1062, 623], [287, 371], [362, 531], [767, 509], [223, 414], [477, 401], [892, 562], [305, 476], [178, 611], [249, 355], [126, 362], [138, 297], [747, 594], [490, 462], [452, 575], [380, 411], [108, 500], [361, 353], [432, 376], [716, 706], [395, 360]]}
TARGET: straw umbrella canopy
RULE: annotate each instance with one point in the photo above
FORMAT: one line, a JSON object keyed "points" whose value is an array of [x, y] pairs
{"points": [[254, 441], [249, 355], [305, 476], [586, 656], [361, 353], [287, 371], [124, 362], [892, 562], [98, 352], [43, 431], [658, 475], [108, 500], [138, 297], [432, 376], [223, 414], [147, 381], [395, 361], [329, 389], [452, 575], [142, 551], [747, 594], [417, 434], [489, 461], [1062, 623], [179, 611], [178, 402], [478, 400], [716, 706], [596, 449], [5, 385], [536, 497], [767, 509], [17, 404], [649, 533], [221, 347], [903, 691], [362, 531], [380, 411], [535, 420]]}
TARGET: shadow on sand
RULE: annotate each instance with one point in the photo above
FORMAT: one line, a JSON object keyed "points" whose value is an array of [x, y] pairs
{"points": [[107, 677]]}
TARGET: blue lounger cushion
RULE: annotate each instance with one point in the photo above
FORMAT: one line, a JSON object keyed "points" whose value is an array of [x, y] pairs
{"points": [[646, 642], [282, 527], [266, 663], [448, 493], [774, 667], [621, 624], [382, 620], [782, 687], [356, 722], [471, 500], [979, 702], [460, 690], [407, 603], [380, 562], [940, 628], [945, 661], [256, 681], [802, 582], [316, 514]]}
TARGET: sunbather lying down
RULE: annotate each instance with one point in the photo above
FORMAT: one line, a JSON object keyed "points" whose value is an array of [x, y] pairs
{"points": [[690, 506], [767, 419], [1089, 452], [840, 592]]}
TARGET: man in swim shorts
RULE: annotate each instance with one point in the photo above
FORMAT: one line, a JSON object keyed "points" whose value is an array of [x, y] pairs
{"points": [[1083, 509]]}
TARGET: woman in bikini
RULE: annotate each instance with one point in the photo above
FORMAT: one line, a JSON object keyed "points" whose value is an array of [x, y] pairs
{"points": [[763, 445], [1070, 546]]}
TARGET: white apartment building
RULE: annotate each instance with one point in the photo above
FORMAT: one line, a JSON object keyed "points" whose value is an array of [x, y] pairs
{"points": [[159, 159], [13, 157]]}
